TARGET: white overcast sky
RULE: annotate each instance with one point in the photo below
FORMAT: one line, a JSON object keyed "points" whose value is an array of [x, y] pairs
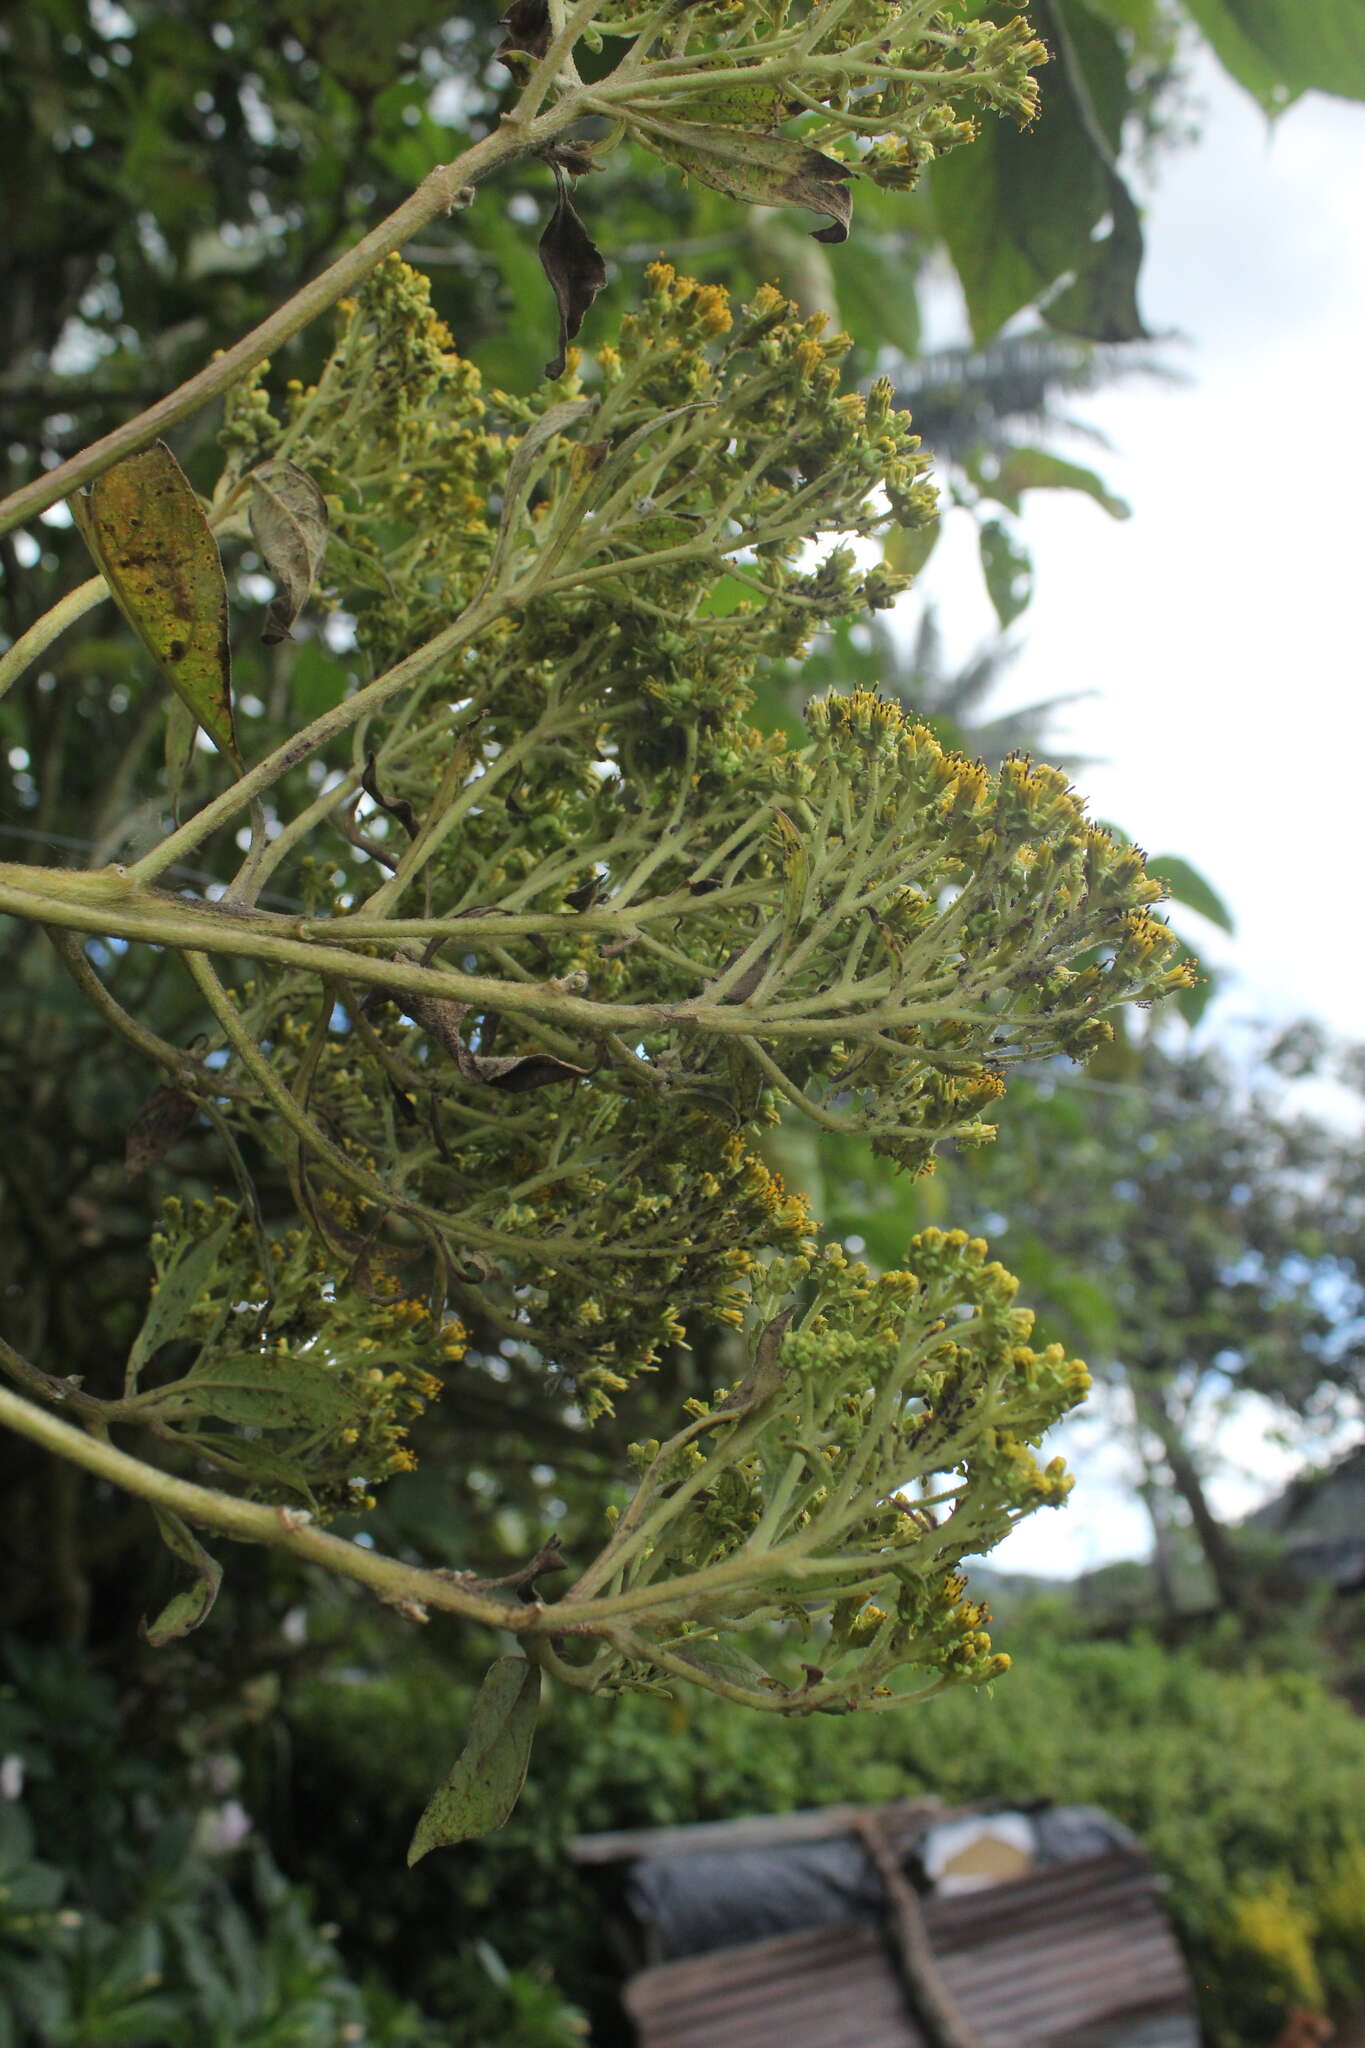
{"points": [[1221, 627]]}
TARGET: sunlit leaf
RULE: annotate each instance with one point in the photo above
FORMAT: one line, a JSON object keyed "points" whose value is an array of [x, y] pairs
{"points": [[147, 532], [486, 1781]]}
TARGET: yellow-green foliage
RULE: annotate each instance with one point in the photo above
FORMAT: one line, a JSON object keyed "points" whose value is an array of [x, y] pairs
{"points": [[321, 1365], [701, 925]]}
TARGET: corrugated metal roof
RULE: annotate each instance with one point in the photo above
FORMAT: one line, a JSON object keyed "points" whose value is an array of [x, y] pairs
{"points": [[1069, 1951]]}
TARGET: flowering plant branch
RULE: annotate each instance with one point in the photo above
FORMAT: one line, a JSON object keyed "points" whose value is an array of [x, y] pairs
{"points": [[566, 934]]}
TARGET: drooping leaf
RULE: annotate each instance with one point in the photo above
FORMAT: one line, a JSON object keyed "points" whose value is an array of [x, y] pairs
{"points": [[573, 263], [1008, 571], [147, 532], [485, 1784], [185, 1611], [164, 1117], [762, 170], [1194, 890], [1034, 469], [288, 519], [179, 1287]]}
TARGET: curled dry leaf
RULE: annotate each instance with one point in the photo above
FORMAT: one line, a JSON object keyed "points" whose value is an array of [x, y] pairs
{"points": [[165, 1116], [765, 1377], [147, 532], [528, 32], [397, 807], [288, 518], [763, 170], [573, 263], [513, 1073]]}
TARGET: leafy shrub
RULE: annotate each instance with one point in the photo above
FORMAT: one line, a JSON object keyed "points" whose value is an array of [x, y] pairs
{"points": [[1245, 1788]]}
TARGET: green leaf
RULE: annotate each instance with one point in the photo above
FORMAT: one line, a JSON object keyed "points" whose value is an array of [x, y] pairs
{"points": [[1189, 887], [266, 1390], [906, 549], [188, 1609], [180, 1286], [486, 1781], [1192, 1002], [1019, 210], [795, 874], [1278, 49], [1008, 571], [720, 1659], [289, 525], [877, 288], [762, 170], [147, 532], [1101, 303], [181, 727], [1034, 469], [747, 106]]}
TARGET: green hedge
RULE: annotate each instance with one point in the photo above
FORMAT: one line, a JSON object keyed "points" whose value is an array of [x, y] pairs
{"points": [[1248, 1789]]}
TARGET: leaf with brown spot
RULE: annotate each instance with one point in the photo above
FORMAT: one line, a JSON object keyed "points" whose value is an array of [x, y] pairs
{"points": [[528, 32], [164, 1117], [147, 532], [764, 170], [573, 263], [288, 518]]}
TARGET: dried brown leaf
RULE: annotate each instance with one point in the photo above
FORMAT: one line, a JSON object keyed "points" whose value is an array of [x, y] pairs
{"points": [[573, 263], [288, 518]]}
